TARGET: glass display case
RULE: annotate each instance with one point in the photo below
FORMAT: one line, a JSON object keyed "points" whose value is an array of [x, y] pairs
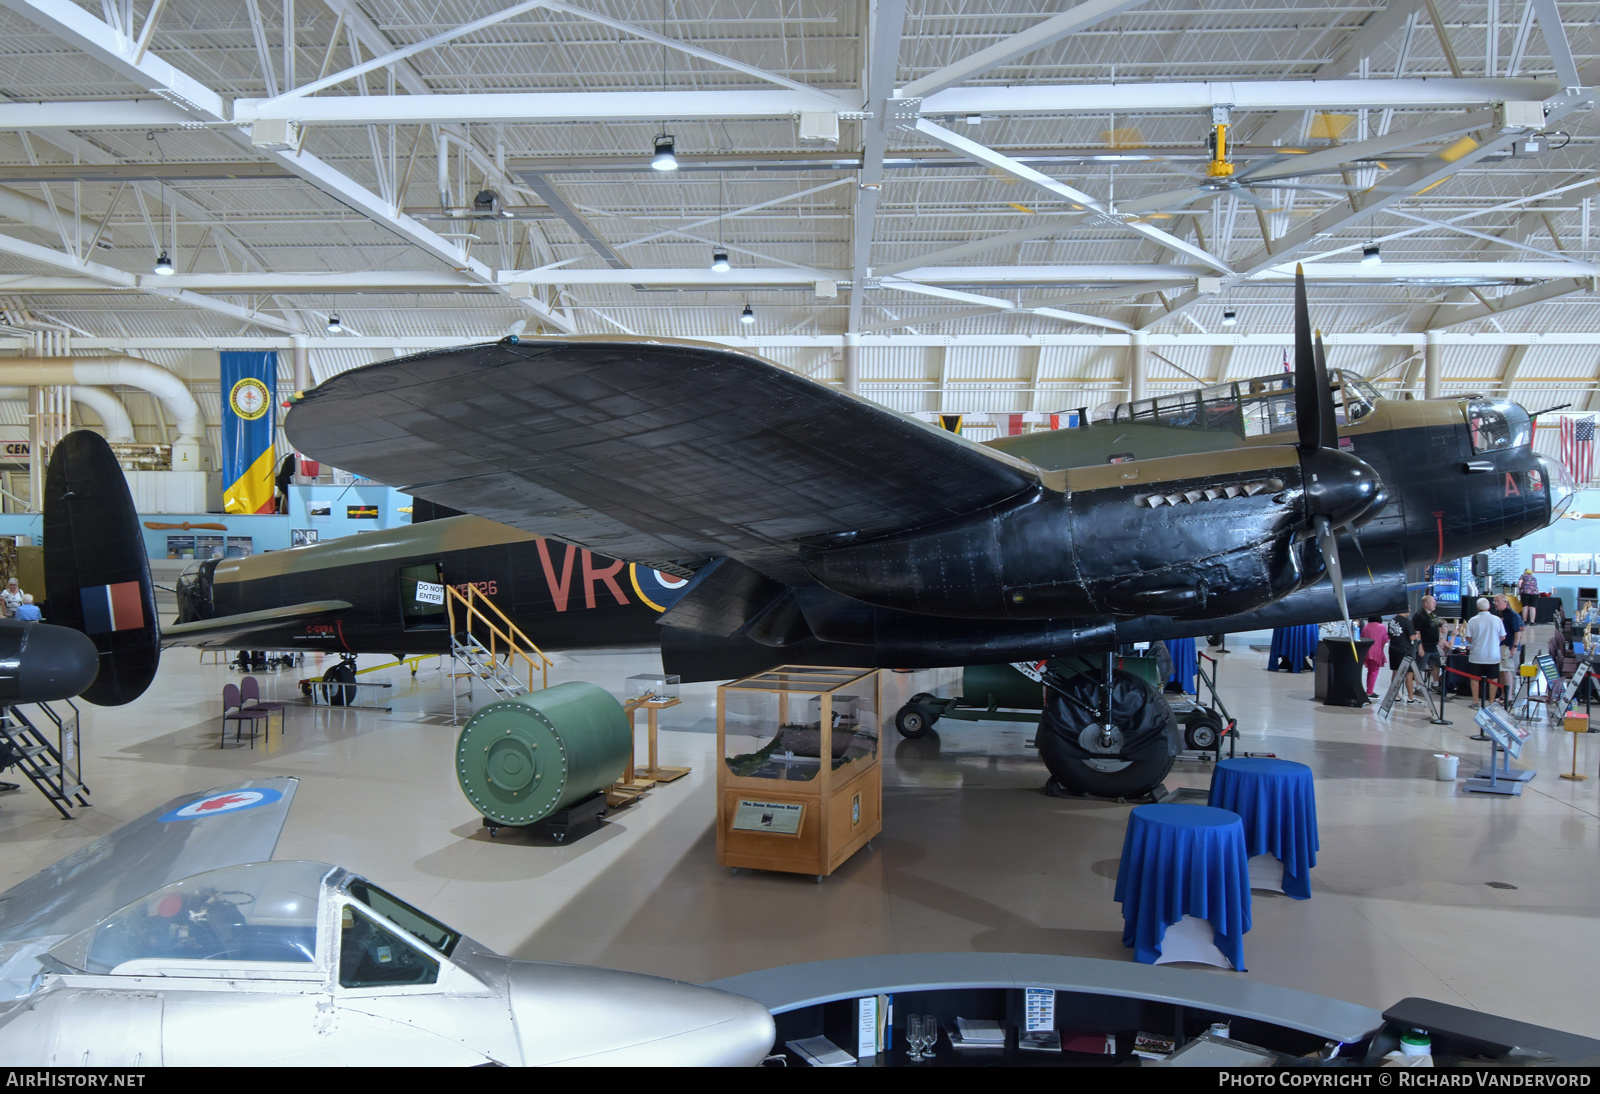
{"points": [[799, 786], [649, 687]]}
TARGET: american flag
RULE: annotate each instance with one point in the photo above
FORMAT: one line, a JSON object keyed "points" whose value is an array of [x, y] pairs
{"points": [[1577, 448]]}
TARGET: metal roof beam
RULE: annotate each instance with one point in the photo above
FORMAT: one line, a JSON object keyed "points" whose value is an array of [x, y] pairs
{"points": [[990, 158], [427, 107], [1035, 37], [1495, 307], [1424, 174], [1387, 273], [149, 284], [100, 41], [1555, 40], [403, 52], [885, 25]]}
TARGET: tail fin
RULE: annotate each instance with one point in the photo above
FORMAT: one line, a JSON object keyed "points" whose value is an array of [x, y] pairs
{"points": [[96, 570]]}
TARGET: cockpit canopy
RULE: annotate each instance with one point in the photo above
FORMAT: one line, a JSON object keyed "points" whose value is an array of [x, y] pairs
{"points": [[269, 920], [1249, 408]]}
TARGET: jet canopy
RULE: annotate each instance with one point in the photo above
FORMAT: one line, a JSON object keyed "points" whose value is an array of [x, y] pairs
{"points": [[266, 920], [1249, 408]]}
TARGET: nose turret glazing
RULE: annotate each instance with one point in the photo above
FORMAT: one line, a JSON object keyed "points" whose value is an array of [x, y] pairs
{"points": [[1559, 487]]}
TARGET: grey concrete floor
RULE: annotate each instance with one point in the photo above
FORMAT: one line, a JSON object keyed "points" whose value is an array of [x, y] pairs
{"points": [[972, 855]]}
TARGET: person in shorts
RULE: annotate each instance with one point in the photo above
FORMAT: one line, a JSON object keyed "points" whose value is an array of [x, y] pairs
{"points": [[1510, 645], [1484, 634], [1425, 624], [1403, 643]]}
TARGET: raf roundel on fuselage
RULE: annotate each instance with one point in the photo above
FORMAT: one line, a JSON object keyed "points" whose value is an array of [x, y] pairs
{"points": [[656, 589]]}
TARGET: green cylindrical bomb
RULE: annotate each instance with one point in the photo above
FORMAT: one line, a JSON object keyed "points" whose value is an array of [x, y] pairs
{"points": [[520, 760]]}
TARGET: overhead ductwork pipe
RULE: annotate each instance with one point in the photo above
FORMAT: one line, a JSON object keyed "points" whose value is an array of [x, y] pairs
{"points": [[104, 402], [129, 371]]}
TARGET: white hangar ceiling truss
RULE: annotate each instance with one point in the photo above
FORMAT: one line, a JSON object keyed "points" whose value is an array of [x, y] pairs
{"points": [[994, 211]]}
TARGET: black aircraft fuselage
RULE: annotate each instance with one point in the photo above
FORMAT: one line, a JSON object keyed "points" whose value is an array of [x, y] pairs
{"points": [[563, 597], [1460, 477]]}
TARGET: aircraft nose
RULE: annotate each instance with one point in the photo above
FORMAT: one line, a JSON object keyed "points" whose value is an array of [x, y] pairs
{"points": [[573, 1015], [1559, 487], [1341, 487]]}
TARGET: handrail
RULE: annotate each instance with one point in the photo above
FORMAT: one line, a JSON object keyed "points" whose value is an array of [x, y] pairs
{"points": [[510, 636]]}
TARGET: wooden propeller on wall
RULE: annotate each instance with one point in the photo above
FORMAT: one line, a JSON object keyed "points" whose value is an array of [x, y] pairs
{"points": [[185, 526]]}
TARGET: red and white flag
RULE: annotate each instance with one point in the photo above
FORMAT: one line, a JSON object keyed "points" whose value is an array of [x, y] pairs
{"points": [[1577, 448]]}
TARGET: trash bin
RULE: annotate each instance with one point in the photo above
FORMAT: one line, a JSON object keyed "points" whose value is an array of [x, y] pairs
{"points": [[1445, 766]]}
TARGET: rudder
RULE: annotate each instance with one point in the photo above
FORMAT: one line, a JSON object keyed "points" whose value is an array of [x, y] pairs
{"points": [[97, 572]]}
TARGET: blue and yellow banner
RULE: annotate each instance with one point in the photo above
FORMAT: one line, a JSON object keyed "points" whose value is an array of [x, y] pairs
{"points": [[249, 425]]}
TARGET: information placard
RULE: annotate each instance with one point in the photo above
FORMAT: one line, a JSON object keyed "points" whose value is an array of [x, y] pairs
{"points": [[1497, 723], [782, 818]]}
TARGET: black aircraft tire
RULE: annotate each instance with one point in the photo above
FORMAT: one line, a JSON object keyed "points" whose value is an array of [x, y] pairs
{"points": [[1144, 722], [1203, 734], [340, 674], [914, 721], [1141, 776]]}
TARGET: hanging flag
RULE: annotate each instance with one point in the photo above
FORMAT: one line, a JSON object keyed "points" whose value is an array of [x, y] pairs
{"points": [[249, 426], [1577, 448], [950, 422]]}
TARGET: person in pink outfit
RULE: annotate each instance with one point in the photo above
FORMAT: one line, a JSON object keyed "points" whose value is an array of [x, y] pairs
{"points": [[1377, 632]]}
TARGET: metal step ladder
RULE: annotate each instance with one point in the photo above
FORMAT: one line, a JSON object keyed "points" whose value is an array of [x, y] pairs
{"points": [[485, 666], [54, 767], [472, 613]]}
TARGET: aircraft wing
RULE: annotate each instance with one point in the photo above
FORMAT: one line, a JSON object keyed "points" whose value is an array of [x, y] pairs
{"points": [[228, 631], [226, 826], [665, 453]]}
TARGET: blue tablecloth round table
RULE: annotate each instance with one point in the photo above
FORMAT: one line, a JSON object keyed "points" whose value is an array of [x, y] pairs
{"points": [[1180, 860], [1295, 643], [1277, 803]]}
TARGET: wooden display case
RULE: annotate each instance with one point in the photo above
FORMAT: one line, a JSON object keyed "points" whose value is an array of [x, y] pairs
{"points": [[800, 777]]}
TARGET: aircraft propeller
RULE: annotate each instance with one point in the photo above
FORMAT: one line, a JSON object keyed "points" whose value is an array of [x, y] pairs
{"points": [[1340, 488]]}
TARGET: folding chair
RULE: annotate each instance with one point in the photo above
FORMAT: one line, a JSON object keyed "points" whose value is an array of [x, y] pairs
{"points": [[250, 699], [231, 702]]}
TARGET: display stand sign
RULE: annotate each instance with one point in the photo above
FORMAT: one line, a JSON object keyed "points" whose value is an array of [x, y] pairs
{"points": [[1502, 730], [1548, 669], [1387, 703], [779, 817], [1570, 695], [1505, 738]]}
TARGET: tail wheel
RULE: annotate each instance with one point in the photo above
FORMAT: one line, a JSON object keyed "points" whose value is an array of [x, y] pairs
{"points": [[1203, 734], [342, 673], [913, 721]]}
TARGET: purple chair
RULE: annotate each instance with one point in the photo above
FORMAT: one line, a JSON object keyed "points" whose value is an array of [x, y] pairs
{"points": [[239, 715], [250, 699]]}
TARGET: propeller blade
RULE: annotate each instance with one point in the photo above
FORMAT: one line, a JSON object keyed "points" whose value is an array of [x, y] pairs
{"points": [[1356, 539], [1328, 544], [1330, 425], [1306, 404]]}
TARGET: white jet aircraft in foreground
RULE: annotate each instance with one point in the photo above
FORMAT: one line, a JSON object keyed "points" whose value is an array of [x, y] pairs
{"points": [[172, 941]]}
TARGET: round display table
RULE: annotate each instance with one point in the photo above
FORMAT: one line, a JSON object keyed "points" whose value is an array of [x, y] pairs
{"points": [[1277, 802], [1184, 861]]}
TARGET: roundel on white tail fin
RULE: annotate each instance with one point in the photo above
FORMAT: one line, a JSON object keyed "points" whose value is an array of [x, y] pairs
{"points": [[656, 589]]}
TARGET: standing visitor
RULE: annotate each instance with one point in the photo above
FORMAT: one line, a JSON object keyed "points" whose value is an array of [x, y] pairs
{"points": [[1376, 632], [11, 599], [1484, 633], [1403, 644], [1427, 625], [1527, 589]]}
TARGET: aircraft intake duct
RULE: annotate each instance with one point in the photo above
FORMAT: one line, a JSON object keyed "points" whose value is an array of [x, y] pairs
{"points": [[520, 760]]}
